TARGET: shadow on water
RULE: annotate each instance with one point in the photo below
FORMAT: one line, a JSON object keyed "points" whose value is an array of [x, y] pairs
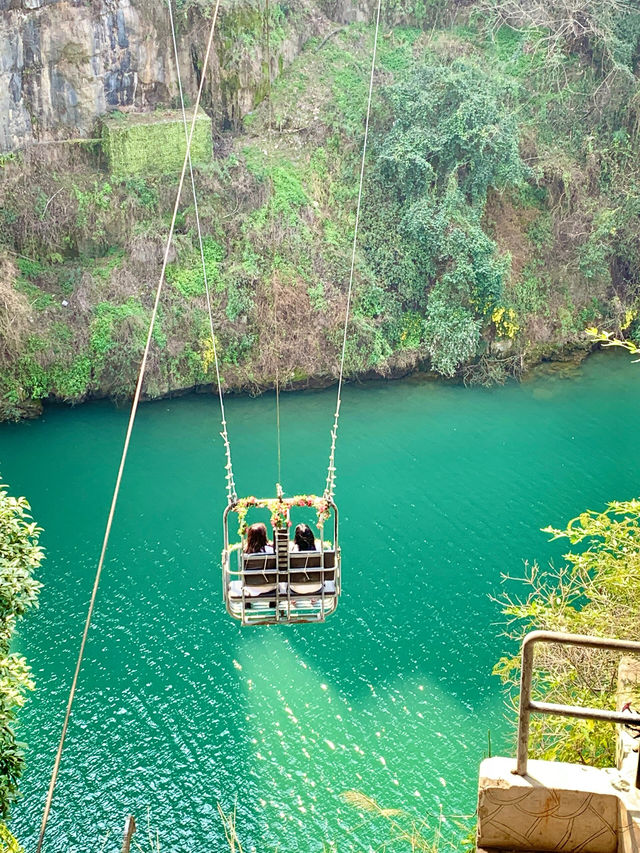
{"points": [[441, 489]]}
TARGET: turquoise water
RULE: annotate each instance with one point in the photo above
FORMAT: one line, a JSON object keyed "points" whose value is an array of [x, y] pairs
{"points": [[441, 489]]}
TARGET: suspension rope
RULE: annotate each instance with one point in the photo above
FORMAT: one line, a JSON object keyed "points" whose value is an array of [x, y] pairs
{"points": [[268, 29], [132, 416], [331, 473], [276, 330], [232, 497], [276, 337]]}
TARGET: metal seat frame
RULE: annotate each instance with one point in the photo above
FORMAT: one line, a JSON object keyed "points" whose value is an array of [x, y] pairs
{"points": [[278, 603]]}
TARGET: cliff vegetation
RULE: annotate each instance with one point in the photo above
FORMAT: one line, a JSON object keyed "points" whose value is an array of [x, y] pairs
{"points": [[501, 208]]}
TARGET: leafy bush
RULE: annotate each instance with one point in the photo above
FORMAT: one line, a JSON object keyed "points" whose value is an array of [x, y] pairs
{"points": [[107, 317], [187, 276], [71, 382], [449, 120], [20, 556], [453, 137], [146, 195], [596, 592], [29, 268], [287, 193], [531, 294], [451, 332], [366, 347]]}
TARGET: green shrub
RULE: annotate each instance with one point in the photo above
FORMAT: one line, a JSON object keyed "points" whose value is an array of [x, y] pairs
{"points": [[187, 276], [38, 298], [453, 136], [531, 292], [316, 296], [596, 593], [20, 556], [145, 194], [407, 331], [449, 120], [71, 382], [451, 332], [29, 268], [287, 193], [107, 317], [238, 349]]}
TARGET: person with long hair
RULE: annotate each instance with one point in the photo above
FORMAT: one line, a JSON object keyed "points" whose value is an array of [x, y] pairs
{"points": [[257, 541], [303, 539]]}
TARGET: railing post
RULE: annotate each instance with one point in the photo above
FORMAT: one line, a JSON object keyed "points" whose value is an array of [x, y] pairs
{"points": [[526, 676], [524, 713], [129, 829]]}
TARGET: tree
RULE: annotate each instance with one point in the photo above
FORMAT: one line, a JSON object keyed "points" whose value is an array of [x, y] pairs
{"points": [[597, 592], [607, 30], [20, 556]]}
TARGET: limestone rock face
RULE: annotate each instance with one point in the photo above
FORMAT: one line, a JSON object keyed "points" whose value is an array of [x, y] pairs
{"points": [[64, 63]]}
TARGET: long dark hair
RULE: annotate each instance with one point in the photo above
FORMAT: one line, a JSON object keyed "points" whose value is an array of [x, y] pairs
{"points": [[256, 539], [304, 538]]}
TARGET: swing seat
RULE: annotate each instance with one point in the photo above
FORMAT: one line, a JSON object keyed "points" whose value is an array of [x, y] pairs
{"points": [[286, 587]]}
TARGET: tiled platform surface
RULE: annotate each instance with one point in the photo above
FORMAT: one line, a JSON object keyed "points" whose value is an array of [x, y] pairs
{"points": [[557, 806]]}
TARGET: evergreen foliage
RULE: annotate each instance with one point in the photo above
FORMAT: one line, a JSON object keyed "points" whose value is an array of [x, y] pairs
{"points": [[20, 556], [452, 138]]}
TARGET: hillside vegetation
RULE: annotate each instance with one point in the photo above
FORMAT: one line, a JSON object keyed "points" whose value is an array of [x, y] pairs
{"points": [[501, 214]]}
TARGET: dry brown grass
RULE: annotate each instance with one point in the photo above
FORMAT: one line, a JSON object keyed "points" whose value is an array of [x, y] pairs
{"points": [[293, 337], [15, 311]]}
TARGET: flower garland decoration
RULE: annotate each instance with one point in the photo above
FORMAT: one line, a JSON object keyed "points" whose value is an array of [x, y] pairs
{"points": [[242, 508], [279, 509]]}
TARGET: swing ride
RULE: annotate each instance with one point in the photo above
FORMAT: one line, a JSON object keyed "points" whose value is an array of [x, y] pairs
{"points": [[286, 586]]}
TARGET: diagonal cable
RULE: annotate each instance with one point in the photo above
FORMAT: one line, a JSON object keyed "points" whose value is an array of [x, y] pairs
{"points": [[232, 497], [132, 416]]}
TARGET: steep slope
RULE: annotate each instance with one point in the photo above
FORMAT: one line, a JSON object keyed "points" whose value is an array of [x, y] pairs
{"points": [[500, 217]]}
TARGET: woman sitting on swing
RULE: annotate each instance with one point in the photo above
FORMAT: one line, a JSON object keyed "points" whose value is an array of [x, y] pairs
{"points": [[303, 539], [257, 542]]}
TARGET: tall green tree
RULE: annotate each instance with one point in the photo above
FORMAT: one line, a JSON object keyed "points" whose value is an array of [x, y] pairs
{"points": [[20, 557]]}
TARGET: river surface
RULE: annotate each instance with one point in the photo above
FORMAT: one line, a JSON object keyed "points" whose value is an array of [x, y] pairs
{"points": [[441, 489]]}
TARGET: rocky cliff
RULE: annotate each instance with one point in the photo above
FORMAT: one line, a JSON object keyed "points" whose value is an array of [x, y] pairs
{"points": [[64, 63], [500, 205]]}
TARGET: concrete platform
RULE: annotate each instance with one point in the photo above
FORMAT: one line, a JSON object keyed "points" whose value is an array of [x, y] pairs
{"points": [[556, 806]]}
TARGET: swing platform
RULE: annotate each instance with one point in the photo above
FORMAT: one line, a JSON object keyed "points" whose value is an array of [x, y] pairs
{"points": [[287, 586]]}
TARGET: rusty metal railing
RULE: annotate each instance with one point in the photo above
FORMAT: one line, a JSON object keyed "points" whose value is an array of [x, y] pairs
{"points": [[527, 706]]}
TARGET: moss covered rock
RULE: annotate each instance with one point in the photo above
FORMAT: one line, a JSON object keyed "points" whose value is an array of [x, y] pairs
{"points": [[153, 143]]}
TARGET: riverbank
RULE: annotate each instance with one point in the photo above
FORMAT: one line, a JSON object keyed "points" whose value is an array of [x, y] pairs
{"points": [[499, 217], [564, 361]]}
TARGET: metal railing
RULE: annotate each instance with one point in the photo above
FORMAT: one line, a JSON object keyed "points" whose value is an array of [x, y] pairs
{"points": [[527, 706]]}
